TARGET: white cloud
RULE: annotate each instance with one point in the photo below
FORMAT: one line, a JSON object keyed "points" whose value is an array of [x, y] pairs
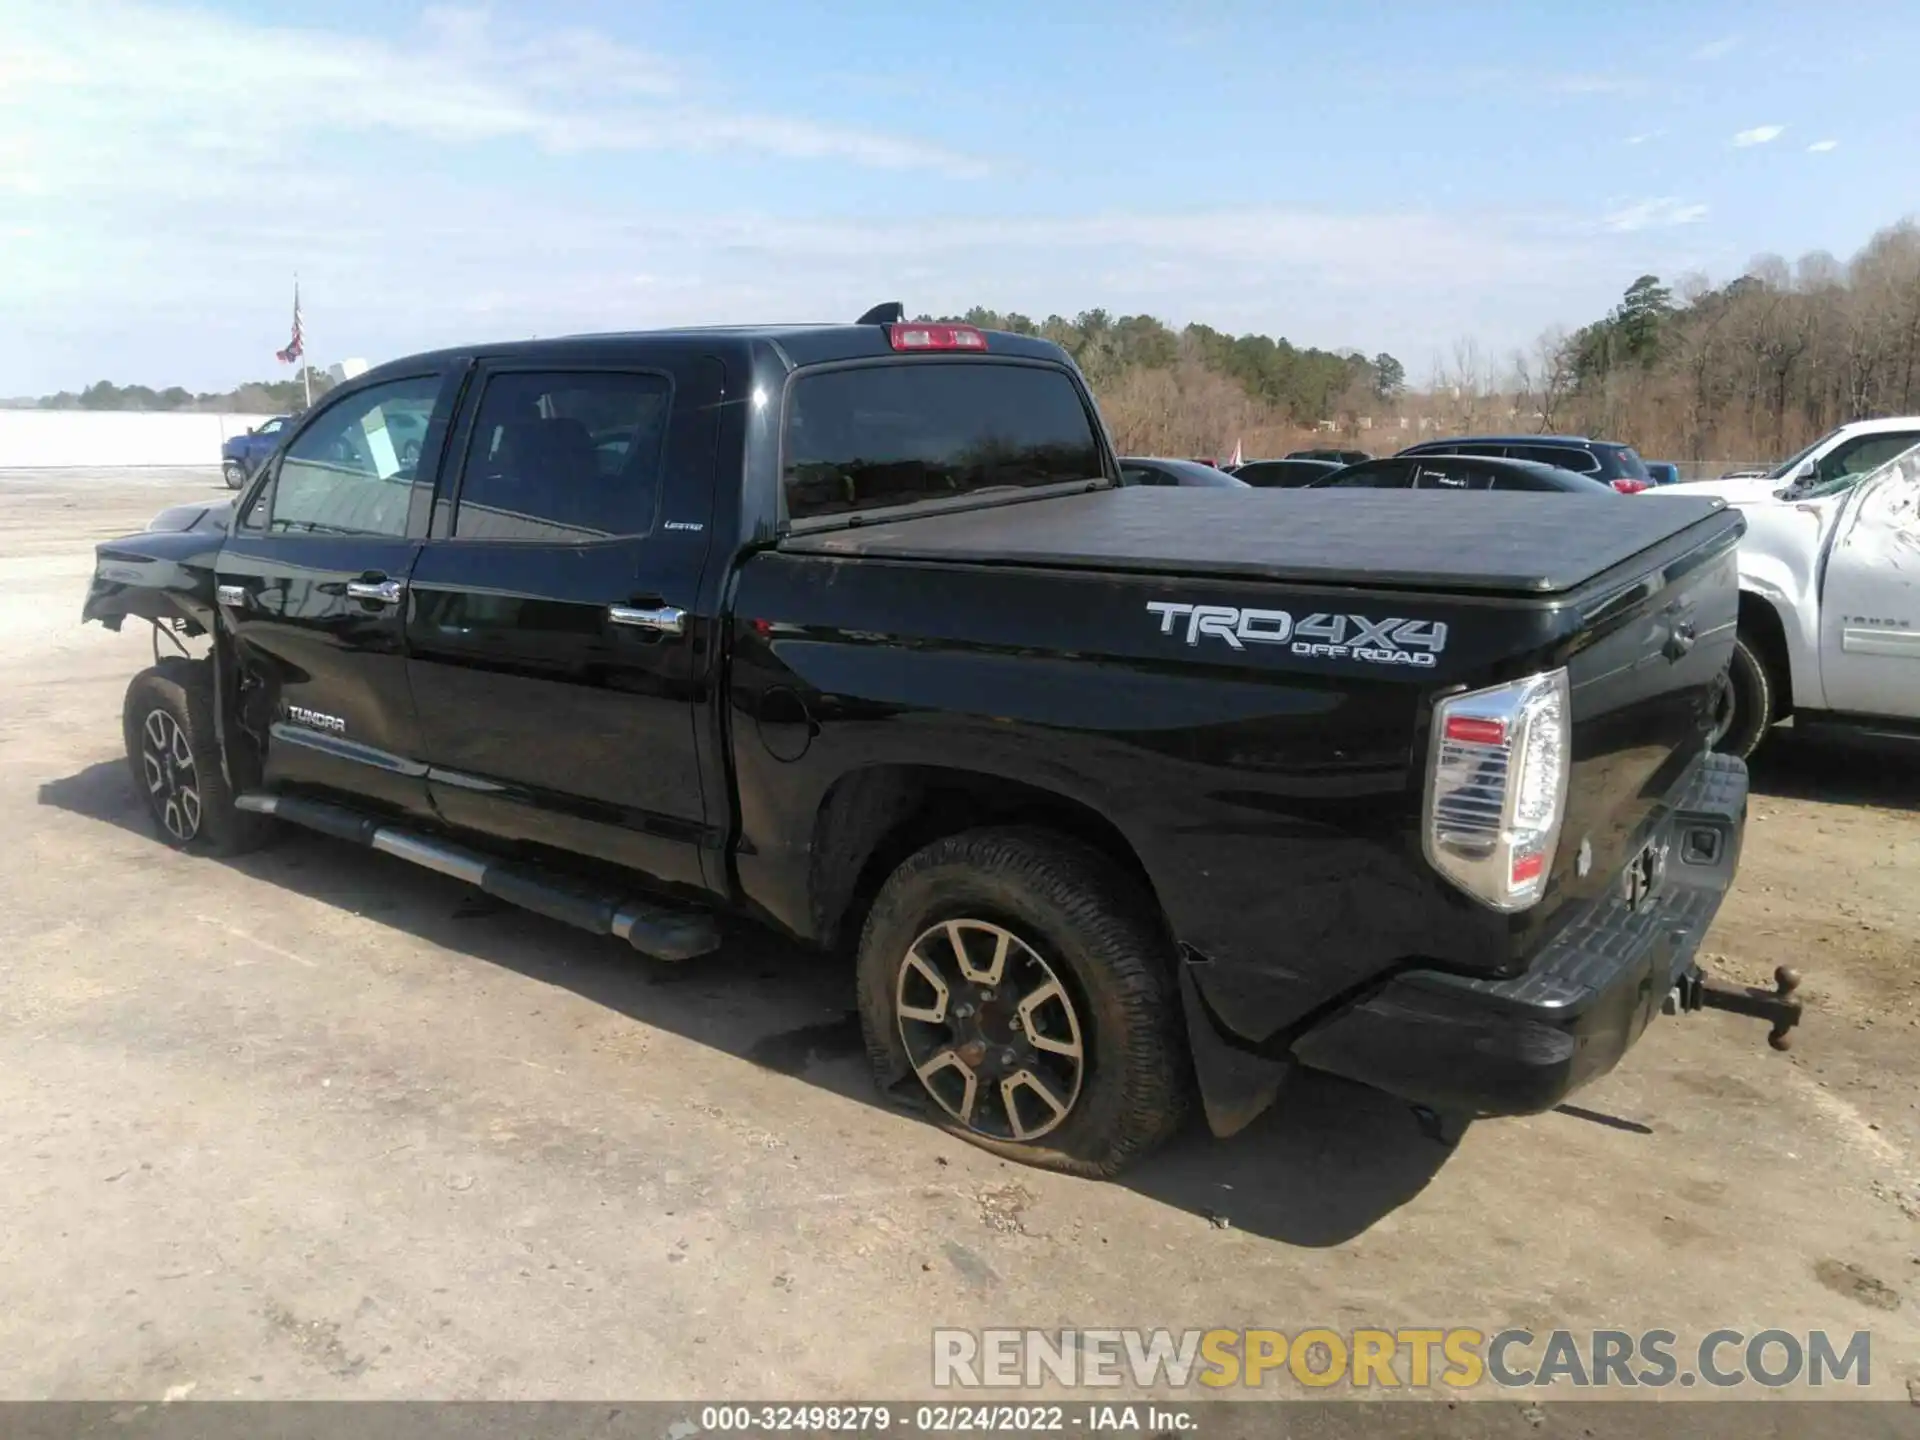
{"points": [[1759, 135], [1644, 136], [1653, 214], [1717, 49], [109, 93], [1820, 147], [163, 171]]}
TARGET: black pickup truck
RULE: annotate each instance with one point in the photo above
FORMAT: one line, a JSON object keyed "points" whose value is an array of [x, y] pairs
{"points": [[1113, 794]]}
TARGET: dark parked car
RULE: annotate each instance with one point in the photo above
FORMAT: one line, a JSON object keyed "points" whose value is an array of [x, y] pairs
{"points": [[241, 455], [1152, 470], [1605, 460], [1338, 457], [1662, 472], [1284, 474], [1111, 800], [1459, 472]]}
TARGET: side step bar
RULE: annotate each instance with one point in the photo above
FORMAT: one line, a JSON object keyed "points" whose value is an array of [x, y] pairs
{"points": [[652, 929]]}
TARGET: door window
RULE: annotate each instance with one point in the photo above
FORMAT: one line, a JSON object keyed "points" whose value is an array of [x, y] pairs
{"points": [[1375, 475], [1843, 465], [1566, 457], [350, 472], [564, 457]]}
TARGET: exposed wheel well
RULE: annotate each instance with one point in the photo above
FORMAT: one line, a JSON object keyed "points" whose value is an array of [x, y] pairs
{"points": [[873, 819], [1761, 628]]}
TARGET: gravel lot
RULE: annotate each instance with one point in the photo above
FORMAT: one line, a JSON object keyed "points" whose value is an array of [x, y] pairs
{"points": [[316, 1123]]}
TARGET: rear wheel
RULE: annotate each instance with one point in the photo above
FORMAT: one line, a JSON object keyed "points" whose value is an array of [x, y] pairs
{"points": [[1011, 981], [1744, 709], [168, 723]]}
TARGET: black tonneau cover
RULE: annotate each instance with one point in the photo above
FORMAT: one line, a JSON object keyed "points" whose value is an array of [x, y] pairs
{"points": [[1488, 542]]}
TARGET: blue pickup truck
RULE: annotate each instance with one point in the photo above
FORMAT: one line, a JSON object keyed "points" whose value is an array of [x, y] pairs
{"points": [[241, 455]]}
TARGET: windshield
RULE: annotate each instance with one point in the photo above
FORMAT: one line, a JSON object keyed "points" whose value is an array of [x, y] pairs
{"points": [[875, 436], [1787, 467]]}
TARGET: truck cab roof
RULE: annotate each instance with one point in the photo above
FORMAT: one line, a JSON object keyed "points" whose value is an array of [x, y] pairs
{"points": [[794, 345]]}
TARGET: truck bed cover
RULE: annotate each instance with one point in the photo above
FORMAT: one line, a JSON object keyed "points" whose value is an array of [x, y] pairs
{"points": [[1491, 543]]}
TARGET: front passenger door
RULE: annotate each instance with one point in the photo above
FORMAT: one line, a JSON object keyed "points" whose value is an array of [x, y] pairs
{"points": [[313, 583], [1870, 598]]}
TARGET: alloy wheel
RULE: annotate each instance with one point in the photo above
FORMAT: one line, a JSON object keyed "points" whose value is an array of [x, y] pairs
{"points": [[173, 788], [990, 1030]]}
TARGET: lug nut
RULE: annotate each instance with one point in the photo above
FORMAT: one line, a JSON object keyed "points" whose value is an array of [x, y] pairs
{"points": [[986, 997], [1007, 1057], [1014, 1024], [962, 1012]]}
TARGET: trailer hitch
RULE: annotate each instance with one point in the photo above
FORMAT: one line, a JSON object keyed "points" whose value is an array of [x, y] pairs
{"points": [[1781, 1005]]}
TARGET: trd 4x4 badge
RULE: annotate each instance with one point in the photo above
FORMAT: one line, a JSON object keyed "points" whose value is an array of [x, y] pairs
{"points": [[1394, 641]]}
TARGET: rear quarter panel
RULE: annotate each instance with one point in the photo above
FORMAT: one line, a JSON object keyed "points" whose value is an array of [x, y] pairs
{"points": [[1273, 799]]}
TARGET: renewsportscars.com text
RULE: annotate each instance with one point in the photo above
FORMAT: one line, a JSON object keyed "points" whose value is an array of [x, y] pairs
{"points": [[1363, 1359]]}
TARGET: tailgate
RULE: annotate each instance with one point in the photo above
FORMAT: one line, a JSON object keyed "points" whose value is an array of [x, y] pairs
{"points": [[1655, 639]]}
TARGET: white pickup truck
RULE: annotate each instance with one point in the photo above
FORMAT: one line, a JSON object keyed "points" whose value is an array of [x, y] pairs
{"points": [[1831, 464], [1829, 607]]}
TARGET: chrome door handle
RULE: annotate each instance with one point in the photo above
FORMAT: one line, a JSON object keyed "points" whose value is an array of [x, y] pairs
{"points": [[666, 619], [383, 592]]}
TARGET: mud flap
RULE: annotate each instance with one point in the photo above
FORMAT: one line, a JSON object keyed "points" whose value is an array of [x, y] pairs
{"points": [[1236, 1086]]}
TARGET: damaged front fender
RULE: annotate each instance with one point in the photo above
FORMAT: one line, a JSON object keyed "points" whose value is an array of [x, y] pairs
{"points": [[155, 575]]}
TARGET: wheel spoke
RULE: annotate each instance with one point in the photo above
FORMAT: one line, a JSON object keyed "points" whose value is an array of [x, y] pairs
{"points": [[157, 731], [947, 1060], [190, 811], [156, 773], [1048, 992], [990, 975], [1010, 1089], [173, 821], [182, 754], [936, 1014]]}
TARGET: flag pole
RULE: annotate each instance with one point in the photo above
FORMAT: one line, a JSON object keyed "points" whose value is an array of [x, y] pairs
{"points": [[306, 365]]}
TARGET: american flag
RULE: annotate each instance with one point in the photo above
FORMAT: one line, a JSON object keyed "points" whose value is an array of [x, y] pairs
{"points": [[295, 347]]}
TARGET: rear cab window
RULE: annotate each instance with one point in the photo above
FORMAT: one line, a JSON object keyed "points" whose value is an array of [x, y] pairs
{"points": [[867, 437]]}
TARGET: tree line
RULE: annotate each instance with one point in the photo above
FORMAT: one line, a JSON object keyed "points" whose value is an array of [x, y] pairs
{"points": [[262, 397], [1749, 369], [1753, 368]]}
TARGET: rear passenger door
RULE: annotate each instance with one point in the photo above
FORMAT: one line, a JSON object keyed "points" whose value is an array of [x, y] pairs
{"points": [[553, 651], [312, 581]]}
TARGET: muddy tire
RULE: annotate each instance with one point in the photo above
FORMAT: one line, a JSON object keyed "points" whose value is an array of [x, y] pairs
{"points": [[1747, 706], [168, 723], [1013, 985]]}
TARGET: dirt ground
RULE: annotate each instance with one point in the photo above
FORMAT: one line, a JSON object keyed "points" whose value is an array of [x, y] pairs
{"points": [[315, 1123]]}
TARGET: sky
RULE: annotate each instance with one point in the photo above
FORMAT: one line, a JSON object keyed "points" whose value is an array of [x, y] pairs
{"points": [[1346, 173]]}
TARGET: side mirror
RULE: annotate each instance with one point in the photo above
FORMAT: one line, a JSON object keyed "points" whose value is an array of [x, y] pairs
{"points": [[1805, 472], [250, 429]]}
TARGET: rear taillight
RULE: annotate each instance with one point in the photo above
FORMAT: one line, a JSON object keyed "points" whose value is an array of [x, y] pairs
{"points": [[935, 337], [1497, 788], [1630, 487]]}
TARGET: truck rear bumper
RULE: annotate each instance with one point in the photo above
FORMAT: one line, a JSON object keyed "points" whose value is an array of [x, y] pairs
{"points": [[1514, 1047]]}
